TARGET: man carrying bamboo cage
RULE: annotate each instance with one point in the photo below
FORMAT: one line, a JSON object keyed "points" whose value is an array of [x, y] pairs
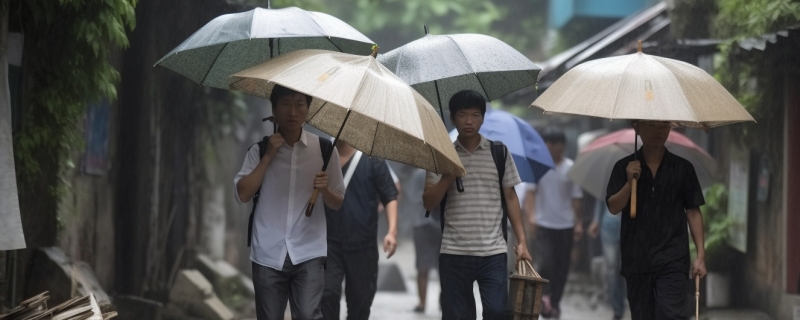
{"points": [[473, 245]]}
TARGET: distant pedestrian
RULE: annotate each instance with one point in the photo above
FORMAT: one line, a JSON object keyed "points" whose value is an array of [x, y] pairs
{"points": [[473, 244], [352, 233], [655, 244], [288, 249], [427, 233], [557, 222], [608, 227]]}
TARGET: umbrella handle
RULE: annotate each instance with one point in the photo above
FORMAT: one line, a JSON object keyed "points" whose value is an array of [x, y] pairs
{"points": [[697, 297], [459, 185], [312, 202], [634, 184]]}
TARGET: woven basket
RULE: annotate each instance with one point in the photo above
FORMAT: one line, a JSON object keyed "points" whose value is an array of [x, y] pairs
{"points": [[526, 292]]}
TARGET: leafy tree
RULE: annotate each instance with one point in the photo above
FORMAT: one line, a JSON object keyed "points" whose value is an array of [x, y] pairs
{"points": [[392, 23], [66, 66], [747, 18]]}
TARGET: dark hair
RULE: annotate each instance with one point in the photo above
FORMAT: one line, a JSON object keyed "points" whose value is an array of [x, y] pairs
{"points": [[467, 99], [553, 135], [280, 91]]}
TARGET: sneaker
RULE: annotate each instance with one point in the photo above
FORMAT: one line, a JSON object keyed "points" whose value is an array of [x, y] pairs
{"points": [[419, 309]]}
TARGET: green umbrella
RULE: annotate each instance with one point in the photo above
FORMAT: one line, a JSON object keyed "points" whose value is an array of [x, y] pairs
{"points": [[233, 42]]}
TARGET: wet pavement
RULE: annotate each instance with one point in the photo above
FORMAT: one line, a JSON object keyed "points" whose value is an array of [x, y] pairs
{"points": [[580, 301], [581, 298]]}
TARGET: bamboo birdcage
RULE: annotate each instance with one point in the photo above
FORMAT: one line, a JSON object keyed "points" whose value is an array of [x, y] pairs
{"points": [[526, 292]]}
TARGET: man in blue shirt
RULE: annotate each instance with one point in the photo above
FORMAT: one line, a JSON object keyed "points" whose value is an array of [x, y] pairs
{"points": [[352, 233]]}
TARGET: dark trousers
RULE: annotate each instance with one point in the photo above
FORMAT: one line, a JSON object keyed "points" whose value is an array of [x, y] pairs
{"points": [[300, 284], [457, 273], [659, 295], [359, 270], [552, 250]]}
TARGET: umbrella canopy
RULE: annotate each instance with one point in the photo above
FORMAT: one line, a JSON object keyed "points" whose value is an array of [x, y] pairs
{"points": [[361, 102], [530, 153], [592, 168], [643, 87], [439, 66], [233, 42]]}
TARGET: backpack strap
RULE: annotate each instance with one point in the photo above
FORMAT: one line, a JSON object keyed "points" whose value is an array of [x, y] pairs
{"points": [[262, 149], [326, 148], [500, 154]]}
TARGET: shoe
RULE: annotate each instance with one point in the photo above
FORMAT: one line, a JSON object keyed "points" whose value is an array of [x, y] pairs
{"points": [[419, 309]]}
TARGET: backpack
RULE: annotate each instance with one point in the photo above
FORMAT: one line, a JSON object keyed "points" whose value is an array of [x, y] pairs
{"points": [[325, 145], [499, 154]]}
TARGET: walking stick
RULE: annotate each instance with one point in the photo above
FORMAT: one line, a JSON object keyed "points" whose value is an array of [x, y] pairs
{"points": [[635, 181], [697, 298]]}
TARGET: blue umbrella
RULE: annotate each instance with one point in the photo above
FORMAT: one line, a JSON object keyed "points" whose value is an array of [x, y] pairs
{"points": [[524, 143]]}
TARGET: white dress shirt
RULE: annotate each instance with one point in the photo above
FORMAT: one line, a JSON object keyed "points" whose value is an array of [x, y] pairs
{"points": [[280, 225]]}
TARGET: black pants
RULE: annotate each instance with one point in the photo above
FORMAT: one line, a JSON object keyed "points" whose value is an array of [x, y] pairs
{"points": [[359, 270], [552, 249], [300, 284], [659, 295], [458, 273]]}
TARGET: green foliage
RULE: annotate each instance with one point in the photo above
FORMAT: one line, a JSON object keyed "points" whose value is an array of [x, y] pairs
{"points": [[518, 23], [751, 76], [392, 23], [716, 222], [67, 49], [747, 18]]}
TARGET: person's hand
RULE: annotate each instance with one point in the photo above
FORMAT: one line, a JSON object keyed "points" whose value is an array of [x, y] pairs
{"points": [[390, 244], [634, 169], [522, 253], [594, 229], [577, 233], [275, 142], [699, 268], [321, 181]]}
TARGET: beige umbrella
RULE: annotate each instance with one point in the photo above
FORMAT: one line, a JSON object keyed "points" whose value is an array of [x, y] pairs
{"points": [[361, 102], [643, 87]]}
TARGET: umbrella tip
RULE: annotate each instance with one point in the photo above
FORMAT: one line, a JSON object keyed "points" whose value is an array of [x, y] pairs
{"points": [[375, 48], [426, 28], [640, 47]]}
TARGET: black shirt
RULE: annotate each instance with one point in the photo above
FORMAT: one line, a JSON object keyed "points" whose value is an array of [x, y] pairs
{"points": [[657, 238], [355, 225]]}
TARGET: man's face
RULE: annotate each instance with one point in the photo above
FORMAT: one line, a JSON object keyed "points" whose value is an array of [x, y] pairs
{"points": [[654, 133], [556, 149], [467, 121], [290, 112]]}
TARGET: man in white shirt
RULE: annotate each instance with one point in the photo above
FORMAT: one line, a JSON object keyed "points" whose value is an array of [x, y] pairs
{"points": [[289, 249], [555, 222]]}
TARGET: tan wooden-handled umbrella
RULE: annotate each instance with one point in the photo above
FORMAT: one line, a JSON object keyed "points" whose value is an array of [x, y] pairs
{"points": [[643, 87], [358, 100]]}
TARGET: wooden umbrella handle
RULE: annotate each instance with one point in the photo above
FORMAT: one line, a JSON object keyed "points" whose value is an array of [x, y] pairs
{"points": [[311, 202], [634, 184], [697, 297]]}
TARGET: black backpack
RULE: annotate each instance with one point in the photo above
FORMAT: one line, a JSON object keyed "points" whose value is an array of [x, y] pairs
{"points": [[325, 146], [499, 154]]}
